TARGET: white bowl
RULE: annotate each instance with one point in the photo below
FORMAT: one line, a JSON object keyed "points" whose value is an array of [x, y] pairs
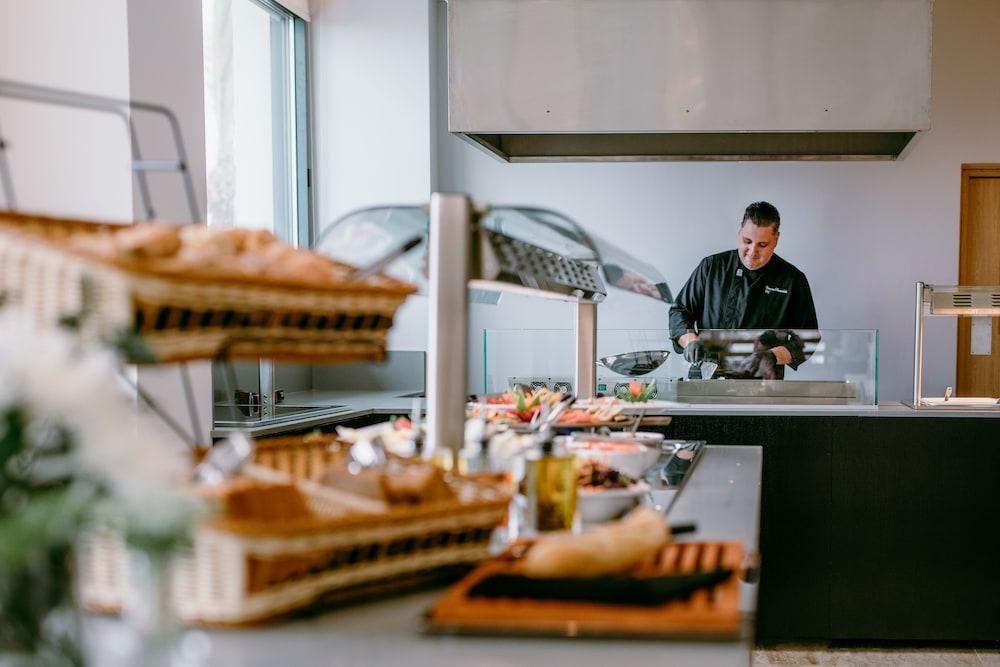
{"points": [[633, 463], [651, 438], [606, 504]]}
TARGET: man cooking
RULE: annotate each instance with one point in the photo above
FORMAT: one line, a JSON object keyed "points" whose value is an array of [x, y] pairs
{"points": [[747, 288]]}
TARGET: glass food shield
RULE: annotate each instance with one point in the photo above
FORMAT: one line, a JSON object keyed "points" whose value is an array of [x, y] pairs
{"points": [[372, 235], [519, 247], [839, 367]]}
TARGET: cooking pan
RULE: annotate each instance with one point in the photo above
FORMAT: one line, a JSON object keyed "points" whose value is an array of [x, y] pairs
{"points": [[634, 364]]}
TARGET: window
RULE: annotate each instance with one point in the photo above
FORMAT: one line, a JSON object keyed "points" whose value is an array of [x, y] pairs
{"points": [[256, 118], [256, 141]]}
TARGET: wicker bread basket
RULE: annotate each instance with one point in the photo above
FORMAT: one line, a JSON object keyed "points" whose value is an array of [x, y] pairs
{"points": [[190, 312], [244, 570]]}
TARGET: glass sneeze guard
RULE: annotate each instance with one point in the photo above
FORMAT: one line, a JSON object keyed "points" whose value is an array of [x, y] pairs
{"points": [[558, 247], [840, 366], [501, 248]]}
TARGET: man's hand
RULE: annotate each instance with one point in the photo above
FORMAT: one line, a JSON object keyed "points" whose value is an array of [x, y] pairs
{"points": [[694, 351]]}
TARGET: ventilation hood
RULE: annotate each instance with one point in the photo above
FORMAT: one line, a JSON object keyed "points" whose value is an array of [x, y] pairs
{"points": [[582, 80]]}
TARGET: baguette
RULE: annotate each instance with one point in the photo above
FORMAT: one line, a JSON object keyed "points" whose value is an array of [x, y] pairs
{"points": [[146, 240], [613, 548]]}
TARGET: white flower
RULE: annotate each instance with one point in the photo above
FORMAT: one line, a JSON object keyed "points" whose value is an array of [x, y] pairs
{"points": [[81, 390]]}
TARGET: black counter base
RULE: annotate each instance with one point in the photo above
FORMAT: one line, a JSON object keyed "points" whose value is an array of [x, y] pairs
{"points": [[873, 528]]}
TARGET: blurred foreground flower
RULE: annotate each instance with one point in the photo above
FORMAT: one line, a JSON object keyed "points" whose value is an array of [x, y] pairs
{"points": [[74, 447]]}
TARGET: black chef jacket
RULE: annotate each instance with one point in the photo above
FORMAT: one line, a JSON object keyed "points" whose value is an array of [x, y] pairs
{"points": [[724, 294]]}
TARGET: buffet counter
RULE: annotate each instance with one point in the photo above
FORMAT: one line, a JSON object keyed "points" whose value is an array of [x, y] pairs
{"points": [[849, 495], [722, 496], [337, 407]]}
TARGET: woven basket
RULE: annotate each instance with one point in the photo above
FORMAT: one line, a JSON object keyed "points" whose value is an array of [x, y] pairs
{"points": [[243, 571], [194, 314]]}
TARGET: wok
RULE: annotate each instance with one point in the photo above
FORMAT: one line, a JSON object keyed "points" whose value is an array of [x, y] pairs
{"points": [[635, 364]]}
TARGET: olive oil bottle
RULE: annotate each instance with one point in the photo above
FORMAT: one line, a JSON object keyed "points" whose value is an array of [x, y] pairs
{"points": [[548, 486]]}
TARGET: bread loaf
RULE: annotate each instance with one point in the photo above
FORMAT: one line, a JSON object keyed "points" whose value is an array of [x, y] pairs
{"points": [[412, 484], [148, 240], [612, 548], [240, 253], [419, 483]]}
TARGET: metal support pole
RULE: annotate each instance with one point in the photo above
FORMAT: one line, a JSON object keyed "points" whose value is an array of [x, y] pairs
{"points": [[918, 345], [449, 244], [124, 109], [585, 327], [192, 404], [229, 383], [6, 183], [266, 375], [182, 165], [162, 414], [140, 176]]}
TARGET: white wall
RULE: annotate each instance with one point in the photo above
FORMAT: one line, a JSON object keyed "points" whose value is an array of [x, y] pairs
{"points": [[372, 141], [166, 67], [67, 162], [77, 163], [862, 232]]}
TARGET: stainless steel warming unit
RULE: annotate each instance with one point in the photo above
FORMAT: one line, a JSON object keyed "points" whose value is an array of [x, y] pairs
{"points": [[981, 302], [489, 249]]}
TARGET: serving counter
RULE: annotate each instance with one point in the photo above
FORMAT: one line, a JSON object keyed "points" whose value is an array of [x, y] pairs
{"points": [[872, 520], [722, 496], [329, 408], [875, 525]]}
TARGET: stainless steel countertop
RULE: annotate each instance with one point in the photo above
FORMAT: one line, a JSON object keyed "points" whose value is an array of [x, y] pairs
{"points": [[396, 402], [722, 496], [356, 404]]}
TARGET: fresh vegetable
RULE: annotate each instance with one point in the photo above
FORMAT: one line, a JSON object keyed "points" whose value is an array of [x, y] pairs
{"points": [[526, 406], [636, 392]]}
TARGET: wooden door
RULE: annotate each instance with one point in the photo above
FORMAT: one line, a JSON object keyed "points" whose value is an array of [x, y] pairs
{"points": [[979, 264]]}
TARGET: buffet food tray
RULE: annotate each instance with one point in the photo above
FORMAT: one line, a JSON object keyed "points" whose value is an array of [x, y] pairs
{"points": [[707, 613], [178, 312], [750, 390]]}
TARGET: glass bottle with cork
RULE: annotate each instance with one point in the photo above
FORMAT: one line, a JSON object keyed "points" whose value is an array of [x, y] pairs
{"points": [[548, 481]]}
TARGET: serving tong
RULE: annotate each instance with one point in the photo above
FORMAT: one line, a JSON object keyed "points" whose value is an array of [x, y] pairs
{"points": [[544, 421]]}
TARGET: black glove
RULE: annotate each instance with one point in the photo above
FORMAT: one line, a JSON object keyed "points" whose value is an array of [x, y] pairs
{"points": [[761, 364], [770, 339], [694, 353]]}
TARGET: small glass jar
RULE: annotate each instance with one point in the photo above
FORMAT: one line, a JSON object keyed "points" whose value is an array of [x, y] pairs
{"points": [[547, 488]]}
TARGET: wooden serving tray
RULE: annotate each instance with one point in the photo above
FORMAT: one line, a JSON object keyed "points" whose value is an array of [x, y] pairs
{"points": [[709, 613]]}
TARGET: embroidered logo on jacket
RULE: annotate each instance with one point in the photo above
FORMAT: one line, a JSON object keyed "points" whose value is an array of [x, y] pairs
{"points": [[768, 289]]}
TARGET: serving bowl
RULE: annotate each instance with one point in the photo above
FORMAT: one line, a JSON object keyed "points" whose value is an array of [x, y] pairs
{"points": [[600, 505], [635, 364], [631, 457], [650, 438]]}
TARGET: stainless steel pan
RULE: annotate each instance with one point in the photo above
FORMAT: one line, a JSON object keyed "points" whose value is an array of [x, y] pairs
{"points": [[634, 364]]}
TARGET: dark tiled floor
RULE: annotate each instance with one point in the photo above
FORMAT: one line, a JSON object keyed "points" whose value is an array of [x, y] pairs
{"points": [[870, 655]]}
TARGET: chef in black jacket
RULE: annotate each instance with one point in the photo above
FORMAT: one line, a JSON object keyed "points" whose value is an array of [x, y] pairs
{"points": [[747, 288]]}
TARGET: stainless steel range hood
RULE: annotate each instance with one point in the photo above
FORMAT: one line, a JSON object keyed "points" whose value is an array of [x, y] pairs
{"points": [[579, 80]]}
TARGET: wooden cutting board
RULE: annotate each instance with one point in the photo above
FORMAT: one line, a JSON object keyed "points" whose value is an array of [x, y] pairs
{"points": [[708, 613]]}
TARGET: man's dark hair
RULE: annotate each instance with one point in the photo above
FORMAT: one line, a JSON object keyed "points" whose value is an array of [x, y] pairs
{"points": [[762, 214]]}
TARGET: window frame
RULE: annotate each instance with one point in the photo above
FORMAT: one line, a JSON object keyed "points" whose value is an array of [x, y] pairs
{"points": [[298, 113], [293, 190]]}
